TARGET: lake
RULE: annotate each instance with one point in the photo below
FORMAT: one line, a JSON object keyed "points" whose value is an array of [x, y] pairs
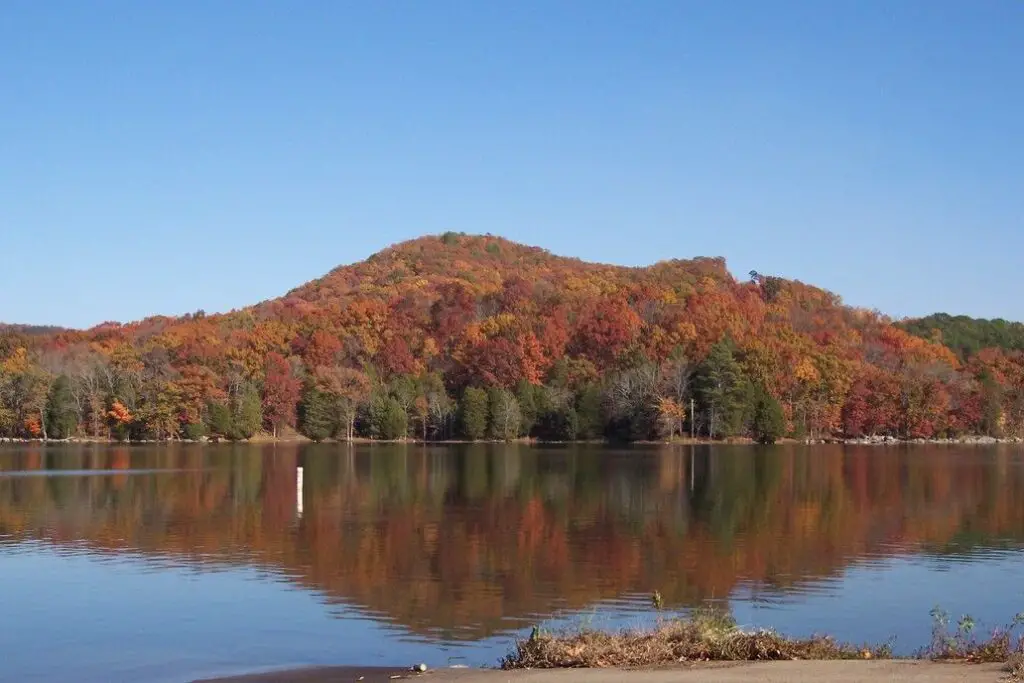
{"points": [[171, 562]]}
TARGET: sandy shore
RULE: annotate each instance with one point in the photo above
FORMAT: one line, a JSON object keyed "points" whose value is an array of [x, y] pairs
{"points": [[740, 672]]}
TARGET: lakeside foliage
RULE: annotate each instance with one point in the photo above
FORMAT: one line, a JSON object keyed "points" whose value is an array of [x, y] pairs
{"points": [[476, 337]]}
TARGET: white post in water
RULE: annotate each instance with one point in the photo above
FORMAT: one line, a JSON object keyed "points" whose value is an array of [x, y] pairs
{"points": [[298, 492]]}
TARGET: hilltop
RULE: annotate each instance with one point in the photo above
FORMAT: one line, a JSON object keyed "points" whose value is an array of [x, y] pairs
{"points": [[476, 336]]}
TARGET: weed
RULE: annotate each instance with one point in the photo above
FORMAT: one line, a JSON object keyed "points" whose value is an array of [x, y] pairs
{"points": [[961, 644]]}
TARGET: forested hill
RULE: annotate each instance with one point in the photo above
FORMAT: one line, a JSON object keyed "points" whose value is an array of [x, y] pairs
{"points": [[459, 336], [967, 336]]}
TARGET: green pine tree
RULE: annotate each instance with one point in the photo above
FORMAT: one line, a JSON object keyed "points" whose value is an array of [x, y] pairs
{"points": [[317, 416], [768, 423], [526, 395], [473, 413], [588, 412], [218, 418], [196, 430], [724, 392], [61, 416], [388, 419], [247, 413]]}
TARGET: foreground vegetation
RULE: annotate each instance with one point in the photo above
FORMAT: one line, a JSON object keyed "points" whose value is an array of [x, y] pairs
{"points": [[708, 635], [475, 338]]}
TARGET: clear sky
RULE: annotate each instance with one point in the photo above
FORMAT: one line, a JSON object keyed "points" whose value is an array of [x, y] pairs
{"points": [[161, 157]]}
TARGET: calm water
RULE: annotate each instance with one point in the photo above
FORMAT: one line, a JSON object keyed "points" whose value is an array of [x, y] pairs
{"points": [[172, 562]]}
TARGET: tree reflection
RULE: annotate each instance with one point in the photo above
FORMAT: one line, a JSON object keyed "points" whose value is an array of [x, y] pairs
{"points": [[470, 540]]}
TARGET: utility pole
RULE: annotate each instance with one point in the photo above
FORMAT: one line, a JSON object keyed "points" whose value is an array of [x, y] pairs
{"points": [[692, 421]]}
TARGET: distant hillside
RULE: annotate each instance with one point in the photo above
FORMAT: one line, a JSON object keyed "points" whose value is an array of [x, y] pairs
{"points": [[474, 336], [967, 336]]}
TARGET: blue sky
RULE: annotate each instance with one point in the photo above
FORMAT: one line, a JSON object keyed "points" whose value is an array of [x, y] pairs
{"points": [[166, 157]]}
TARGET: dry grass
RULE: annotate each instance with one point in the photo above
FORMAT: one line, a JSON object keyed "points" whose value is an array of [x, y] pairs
{"points": [[961, 645], [1015, 666], [712, 635], [706, 635]]}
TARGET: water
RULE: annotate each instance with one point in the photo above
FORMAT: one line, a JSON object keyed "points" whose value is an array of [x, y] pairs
{"points": [[168, 563]]}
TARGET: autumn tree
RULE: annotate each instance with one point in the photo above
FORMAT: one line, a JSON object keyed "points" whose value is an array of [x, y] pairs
{"points": [[606, 329], [672, 416], [281, 391], [24, 387], [395, 357], [120, 419], [343, 391], [161, 411], [322, 350], [89, 388]]}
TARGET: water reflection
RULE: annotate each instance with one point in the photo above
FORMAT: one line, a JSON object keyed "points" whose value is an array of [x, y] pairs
{"points": [[463, 542]]}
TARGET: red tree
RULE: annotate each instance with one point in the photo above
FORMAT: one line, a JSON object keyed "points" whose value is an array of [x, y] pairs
{"points": [[322, 350], [281, 390], [606, 330], [502, 362], [454, 309], [395, 358]]}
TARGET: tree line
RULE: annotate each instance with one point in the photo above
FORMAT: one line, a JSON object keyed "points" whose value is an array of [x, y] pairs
{"points": [[645, 401], [462, 337]]}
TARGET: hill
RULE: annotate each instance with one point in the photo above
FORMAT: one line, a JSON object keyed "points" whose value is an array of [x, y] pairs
{"points": [[460, 336]]}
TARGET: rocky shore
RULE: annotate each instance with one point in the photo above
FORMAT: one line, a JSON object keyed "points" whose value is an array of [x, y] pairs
{"points": [[961, 440]]}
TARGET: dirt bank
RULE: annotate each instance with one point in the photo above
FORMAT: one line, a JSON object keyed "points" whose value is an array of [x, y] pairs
{"points": [[894, 671]]}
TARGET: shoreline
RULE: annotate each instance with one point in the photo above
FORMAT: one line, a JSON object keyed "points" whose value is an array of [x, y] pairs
{"points": [[971, 440], [809, 671]]}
